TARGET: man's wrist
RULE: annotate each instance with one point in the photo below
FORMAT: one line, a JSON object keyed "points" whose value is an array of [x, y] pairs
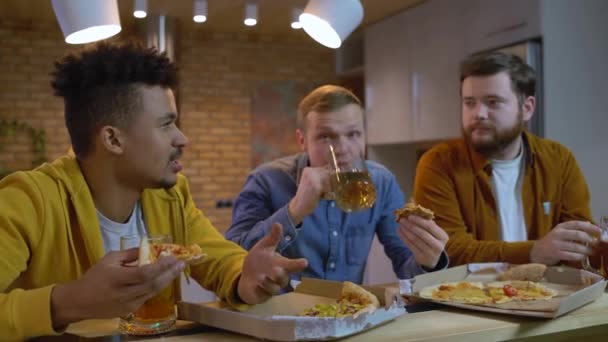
{"points": [[63, 309], [292, 215]]}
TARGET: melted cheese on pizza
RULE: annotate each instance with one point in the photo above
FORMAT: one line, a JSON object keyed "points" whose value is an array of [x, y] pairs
{"points": [[463, 292], [342, 308], [180, 252]]}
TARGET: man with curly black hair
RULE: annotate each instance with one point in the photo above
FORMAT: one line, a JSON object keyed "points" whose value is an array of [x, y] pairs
{"points": [[60, 224]]}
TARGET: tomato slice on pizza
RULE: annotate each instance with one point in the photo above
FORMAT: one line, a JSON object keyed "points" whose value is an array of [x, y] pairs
{"points": [[522, 290]]}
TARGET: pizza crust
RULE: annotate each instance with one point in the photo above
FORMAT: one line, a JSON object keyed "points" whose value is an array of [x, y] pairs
{"points": [[411, 208], [352, 290], [530, 272]]}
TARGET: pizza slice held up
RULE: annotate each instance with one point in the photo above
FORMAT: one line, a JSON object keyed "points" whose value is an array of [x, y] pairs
{"points": [[411, 208], [150, 252]]}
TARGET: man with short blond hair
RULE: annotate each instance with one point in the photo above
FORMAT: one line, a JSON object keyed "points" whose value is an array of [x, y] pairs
{"points": [[292, 190]]}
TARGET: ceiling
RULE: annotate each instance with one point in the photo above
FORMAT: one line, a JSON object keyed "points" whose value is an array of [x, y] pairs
{"points": [[224, 15]]}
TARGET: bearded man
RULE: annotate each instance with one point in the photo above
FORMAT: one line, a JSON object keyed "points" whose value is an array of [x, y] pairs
{"points": [[501, 193]]}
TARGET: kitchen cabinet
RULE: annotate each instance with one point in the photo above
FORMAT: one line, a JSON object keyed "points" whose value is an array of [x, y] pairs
{"points": [[412, 74], [495, 23], [387, 90], [435, 33]]}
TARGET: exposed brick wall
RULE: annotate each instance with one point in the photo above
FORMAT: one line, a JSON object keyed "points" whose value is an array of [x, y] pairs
{"points": [[217, 75], [27, 52]]}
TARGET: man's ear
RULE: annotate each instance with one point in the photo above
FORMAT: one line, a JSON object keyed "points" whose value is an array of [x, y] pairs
{"points": [[527, 108], [112, 139], [301, 137]]}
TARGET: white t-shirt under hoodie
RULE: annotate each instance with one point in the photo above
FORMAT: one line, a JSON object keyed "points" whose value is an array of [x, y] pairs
{"points": [[112, 231]]}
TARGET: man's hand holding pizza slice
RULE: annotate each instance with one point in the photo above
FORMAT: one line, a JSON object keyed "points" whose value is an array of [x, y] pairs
{"points": [[421, 234]]}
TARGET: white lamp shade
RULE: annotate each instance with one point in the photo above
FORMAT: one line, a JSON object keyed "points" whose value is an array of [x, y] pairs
{"points": [[140, 8], [295, 18], [87, 21], [200, 11], [330, 22], [251, 14]]}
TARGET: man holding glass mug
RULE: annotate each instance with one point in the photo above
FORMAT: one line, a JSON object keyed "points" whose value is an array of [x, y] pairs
{"points": [[298, 192], [59, 221]]}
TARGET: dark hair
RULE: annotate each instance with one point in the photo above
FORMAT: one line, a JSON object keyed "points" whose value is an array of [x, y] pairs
{"points": [[325, 99], [523, 78], [100, 86]]}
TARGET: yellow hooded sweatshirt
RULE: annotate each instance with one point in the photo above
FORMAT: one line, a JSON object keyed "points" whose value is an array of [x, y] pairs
{"points": [[50, 234]]}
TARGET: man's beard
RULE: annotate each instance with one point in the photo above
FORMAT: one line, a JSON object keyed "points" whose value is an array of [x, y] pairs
{"points": [[499, 140]]}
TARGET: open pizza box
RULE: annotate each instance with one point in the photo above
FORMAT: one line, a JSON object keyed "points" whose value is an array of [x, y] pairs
{"points": [[574, 287], [278, 320]]}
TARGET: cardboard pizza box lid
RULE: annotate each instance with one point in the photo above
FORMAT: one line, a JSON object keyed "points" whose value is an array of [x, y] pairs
{"points": [[277, 318]]}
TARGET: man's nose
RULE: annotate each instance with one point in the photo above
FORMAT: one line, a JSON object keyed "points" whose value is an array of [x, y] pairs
{"points": [[340, 145], [481, 112], [181, 139]]}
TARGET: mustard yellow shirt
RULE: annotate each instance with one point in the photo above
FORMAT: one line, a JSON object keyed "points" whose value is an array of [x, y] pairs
{"points": [[50, 234], [454, 181]]}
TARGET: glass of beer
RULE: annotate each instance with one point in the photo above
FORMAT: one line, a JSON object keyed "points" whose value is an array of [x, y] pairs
{"points": [[600, 252], [157, 314], [351, 184]]}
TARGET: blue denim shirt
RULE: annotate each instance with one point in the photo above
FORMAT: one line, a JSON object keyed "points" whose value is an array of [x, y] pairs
{"points": [[335, 243]]}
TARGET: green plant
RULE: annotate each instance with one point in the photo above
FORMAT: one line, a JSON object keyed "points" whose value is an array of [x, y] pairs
{"points": [[10, 127]]}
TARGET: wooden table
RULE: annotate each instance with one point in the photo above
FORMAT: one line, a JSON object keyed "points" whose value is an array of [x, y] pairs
{"points": [[446, 324]]}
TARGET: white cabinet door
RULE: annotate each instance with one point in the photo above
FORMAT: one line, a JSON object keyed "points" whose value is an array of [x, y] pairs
{"points": [[387, 90], [436, 39], [495, 23]]}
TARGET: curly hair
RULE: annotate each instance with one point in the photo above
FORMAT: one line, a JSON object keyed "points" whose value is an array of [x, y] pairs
{"points": [[100, 86]]}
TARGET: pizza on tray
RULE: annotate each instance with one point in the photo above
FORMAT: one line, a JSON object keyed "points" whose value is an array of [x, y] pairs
{"points": [[521, 290], [498, 292], [354, 300]]}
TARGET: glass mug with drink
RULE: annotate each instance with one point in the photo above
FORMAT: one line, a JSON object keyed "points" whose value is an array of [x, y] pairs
{"points": [[157, 314], [351, 183], [600, 251]]}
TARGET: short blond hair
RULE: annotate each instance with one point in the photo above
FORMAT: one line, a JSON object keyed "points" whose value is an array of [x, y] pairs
{"points": [[325, 99]]}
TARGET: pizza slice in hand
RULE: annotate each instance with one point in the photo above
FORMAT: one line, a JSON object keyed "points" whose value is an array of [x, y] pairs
{"points": [[150, 252], [411, 208]]}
